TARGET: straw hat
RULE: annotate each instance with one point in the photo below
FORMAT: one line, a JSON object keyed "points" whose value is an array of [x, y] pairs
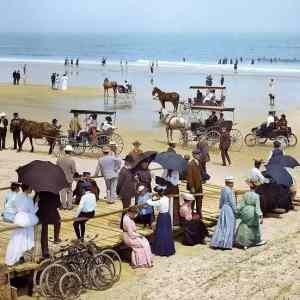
{"points": [[187, 196], [136, 143], [3, 114], [69, 148], [105, 149], [140, 188], [229, 179]]}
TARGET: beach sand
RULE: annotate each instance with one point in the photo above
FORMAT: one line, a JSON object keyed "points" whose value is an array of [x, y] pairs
{"points": [[268, 272]]}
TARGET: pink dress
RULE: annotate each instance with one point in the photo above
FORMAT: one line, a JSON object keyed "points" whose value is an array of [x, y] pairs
{"points": [[141, 255]]}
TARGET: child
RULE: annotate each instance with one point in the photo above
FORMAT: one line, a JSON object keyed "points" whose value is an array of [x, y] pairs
{"points": [[146, 212]]}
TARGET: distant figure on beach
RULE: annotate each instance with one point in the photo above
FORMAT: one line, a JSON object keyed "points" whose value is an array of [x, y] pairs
{"points": [[225, 142], [222, 80], [3, 130], [18, 77], [53, 80], [103, 61], [57, 81], [66, 61], [235, 67], [15, 130], [77, 62], [209, 80], [14, 75], [252, 61], [24, 69], [183, 59], [271, 86], [64, 82], [151, 69], [72, 62]]}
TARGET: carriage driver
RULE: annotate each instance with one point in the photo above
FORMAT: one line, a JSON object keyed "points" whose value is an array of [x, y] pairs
{"points": [[74, 126], [107, 126], [211, 120]]}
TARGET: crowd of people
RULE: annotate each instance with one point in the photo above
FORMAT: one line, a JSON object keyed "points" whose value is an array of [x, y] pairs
{"points": [[59, 82]]}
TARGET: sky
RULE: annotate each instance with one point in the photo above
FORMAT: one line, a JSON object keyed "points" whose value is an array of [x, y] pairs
{"points": [[149, 16]]}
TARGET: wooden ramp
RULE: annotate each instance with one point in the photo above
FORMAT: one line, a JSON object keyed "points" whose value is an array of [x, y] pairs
{"points": [[107, 228]]}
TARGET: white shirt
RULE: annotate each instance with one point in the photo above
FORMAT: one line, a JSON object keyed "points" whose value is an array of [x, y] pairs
{"points": [[270, 120], [9, 203], [87, 203], [163, 204], [109, 165], [107, 126], [257, 176], [173, 178]]}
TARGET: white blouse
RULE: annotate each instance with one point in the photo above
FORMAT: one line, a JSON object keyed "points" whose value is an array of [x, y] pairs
{"points": [[162, 204]]}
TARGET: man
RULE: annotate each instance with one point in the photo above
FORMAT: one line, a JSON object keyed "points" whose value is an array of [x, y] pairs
{"points": [[107, 126], [211, 120], [74, 126], [126, 186], [172, 146], [271, 86], [222, 80], [225, 142], [194, 179], [68, 165], [16, 130], [109, 166], [203, 148], [48, 204], [53, 79], [271, 119], [14, 77], [3, 130], [18, 77], [255, 175], [136, 151]]}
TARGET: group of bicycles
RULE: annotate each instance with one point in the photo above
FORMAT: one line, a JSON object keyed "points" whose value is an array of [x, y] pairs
{"points": [[75, 268]]}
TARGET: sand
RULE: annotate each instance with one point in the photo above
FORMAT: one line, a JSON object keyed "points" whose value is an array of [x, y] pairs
{"points": [[268, 272]]}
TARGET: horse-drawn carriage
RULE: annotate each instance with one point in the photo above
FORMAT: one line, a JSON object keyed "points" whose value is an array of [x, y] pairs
{"points": [[261, 134], [208, 96], [200, 127], [90, 138]]}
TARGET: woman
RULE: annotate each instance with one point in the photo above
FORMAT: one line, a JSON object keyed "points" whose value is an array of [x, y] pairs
{"points": [[163, 243], [145, 215], [223, 237], [141, 255], [9, 211], [194, 230], [22, 239], [250, 214]]}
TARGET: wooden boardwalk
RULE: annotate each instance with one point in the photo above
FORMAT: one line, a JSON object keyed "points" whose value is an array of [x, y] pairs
{"points": [[107, 228]]}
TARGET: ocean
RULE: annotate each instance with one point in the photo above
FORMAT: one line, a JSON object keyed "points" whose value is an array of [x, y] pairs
{"points": [[200, 48]]}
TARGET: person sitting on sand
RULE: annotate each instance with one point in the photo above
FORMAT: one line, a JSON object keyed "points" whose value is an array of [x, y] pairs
{"points": [[141, 255], [194, 230], [248, 232]]}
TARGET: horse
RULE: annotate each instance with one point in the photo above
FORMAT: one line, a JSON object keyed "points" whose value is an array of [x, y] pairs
{"points": [[173, 122], [163, 97], [37, 130], [107, 84]]}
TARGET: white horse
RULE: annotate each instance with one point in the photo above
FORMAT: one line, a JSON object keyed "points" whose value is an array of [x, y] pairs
{"points": [[173, 122]]}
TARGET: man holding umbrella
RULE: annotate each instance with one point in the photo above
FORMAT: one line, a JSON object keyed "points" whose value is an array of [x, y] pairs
{"points": [[67, 164]]}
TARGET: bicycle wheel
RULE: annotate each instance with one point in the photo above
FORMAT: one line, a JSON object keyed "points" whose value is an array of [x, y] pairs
{"points": [[117, 139], [292, 139], [117, 262], [213, 140], [250, 140], [70, 286], [49, 280], [101, 277], [37, 275]]}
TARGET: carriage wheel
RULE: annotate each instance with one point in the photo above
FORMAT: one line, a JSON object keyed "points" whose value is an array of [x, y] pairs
{"points": [[49, 280], [116, 138], [58, 149], [213, 140], [184, 138], [236, 140], [292, 140], [37, 275], [70, 286], [117, 262], [101, 277], [250, 140]]}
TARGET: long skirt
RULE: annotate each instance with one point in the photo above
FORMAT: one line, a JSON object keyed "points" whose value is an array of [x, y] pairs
{"points": [[194, 232], [163, 243], [141, 255], [247, 236], [223, 237]]}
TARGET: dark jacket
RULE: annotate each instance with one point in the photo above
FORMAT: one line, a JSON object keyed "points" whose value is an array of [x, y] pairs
{"points": [[48, 208], [225, 141], [126, 186]]}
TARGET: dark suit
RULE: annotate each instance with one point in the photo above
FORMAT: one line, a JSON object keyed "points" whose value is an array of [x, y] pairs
{"points": [[225, 142], [194, 182], [3, 131], [16, 131], [48, 214]]}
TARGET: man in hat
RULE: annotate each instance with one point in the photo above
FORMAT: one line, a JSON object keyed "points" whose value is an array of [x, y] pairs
{"points": [[225, 143], [3, 130], [16, 130], [74, 126], [194, 179], [107, 126], [126, 186], [202, 146], [136, 151], [68, 165], [109, 166], [271, 86]]}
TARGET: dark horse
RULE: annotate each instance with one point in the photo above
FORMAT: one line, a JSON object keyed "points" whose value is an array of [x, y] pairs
{"points": [[163, 97], [38, 130]]}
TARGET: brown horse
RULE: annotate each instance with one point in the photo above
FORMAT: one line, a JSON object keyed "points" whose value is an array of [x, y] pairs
{"points": [[107, 85], [163, 97], [37, 130]]}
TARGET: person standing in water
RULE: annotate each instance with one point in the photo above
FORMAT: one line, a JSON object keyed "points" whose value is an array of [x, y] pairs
{"points": [[271, 86]]}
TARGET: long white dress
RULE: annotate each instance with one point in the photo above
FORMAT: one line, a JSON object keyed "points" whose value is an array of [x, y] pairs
{"points": [[64, 83], [22, 239]]}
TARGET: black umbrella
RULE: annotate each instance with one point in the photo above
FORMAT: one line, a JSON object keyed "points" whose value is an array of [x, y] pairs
{"points": [[172, 161], [147, 156], [286, 161], [279, 175], [43, 176]]}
